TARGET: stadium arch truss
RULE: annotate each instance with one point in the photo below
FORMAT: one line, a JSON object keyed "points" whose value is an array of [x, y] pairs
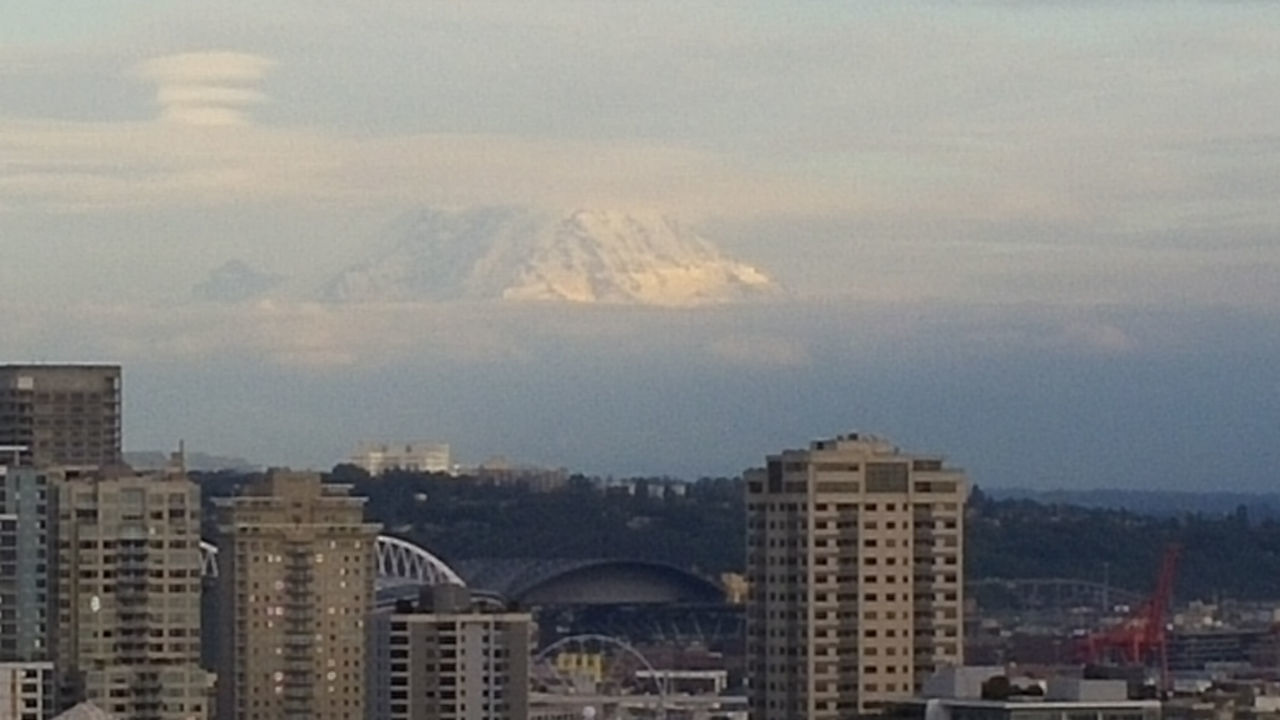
{"points": [[397, 559]]}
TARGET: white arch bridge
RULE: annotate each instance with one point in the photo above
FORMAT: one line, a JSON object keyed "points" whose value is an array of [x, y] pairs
{"points": [[398, 560]]}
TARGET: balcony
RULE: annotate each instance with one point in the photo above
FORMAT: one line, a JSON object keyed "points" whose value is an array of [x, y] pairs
{"points": [[295, 591]]}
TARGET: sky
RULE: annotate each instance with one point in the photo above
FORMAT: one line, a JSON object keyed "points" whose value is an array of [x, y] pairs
{"points": [[1039, 238]]}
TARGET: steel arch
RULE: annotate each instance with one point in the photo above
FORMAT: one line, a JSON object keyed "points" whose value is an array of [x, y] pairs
{"points": [[396, 558], [402, 559]]}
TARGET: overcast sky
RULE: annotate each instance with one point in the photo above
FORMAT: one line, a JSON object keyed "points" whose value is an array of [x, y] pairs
{"points": [[1037, 237]]}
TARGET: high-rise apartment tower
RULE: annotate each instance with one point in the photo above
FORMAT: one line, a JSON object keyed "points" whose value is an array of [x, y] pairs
{"points": [[128, 589], [27, 562], [855, 562], [296, 571], [27, 592], [66, 415]]}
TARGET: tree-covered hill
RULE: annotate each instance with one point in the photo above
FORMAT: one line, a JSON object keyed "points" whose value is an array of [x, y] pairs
{"points": [[1222, 554], [458, 518], [1225, 555]]}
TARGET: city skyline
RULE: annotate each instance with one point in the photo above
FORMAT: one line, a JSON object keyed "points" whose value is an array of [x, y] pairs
{"points": [[848, 591], [1031, 232]]}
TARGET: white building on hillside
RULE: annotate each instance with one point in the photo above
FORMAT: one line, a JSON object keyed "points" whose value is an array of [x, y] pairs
{"points": [[377, 458]]}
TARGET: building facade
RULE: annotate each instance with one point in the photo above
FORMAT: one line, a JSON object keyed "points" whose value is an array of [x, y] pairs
{"points": [[128, 595], [957, 693], [446, 660], [27, 500], [27, 600], [64, 415], [377, 458], [296, 571], [855, 565], [26, 690]]}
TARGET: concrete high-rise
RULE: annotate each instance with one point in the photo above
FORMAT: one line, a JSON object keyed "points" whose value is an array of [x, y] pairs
{"points": [[27, 600], [296, 571], [128, 589], [855, 565], [445, 659], [67, 415], [27, 501]]}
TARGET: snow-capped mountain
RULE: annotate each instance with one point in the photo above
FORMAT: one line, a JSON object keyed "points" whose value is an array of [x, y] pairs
{"points": [[515, 254]]}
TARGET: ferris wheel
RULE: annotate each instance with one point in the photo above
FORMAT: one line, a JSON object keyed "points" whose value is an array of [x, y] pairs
{"points": [[602, 677]]}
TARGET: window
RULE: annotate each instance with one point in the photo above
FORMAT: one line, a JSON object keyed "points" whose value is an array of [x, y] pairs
{"points": [[887, 477]]}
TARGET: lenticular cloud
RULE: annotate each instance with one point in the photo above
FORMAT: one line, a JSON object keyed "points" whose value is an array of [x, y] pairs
{"points": [[206, 88]]}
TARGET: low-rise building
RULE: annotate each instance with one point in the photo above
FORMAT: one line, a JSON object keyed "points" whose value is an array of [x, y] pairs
{"points": [[26, 690], [500, 471], [987, 693]]}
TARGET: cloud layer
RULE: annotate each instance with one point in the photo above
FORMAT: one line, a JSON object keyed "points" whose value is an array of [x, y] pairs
{"points": [[1017, 395]]}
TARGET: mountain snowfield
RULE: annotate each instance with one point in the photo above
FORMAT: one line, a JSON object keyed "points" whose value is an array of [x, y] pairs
{"points": [[587, 256]]}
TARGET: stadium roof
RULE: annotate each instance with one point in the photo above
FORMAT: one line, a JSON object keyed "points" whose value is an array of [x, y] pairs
{"points": [[528, 582]]}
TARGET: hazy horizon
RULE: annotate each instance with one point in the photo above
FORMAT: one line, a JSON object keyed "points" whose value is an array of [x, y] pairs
{"points": [[1039, 239]]}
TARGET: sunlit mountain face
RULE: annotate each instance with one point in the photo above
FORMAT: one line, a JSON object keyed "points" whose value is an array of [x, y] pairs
{"points": [[586, 256]]}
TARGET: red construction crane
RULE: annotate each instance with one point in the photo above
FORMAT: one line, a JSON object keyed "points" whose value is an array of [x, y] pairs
{"points": [[1140, 638]]}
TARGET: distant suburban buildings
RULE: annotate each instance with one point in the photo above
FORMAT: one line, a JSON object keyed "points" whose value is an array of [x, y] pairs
{"points": [[855, 564], [446, 658], [64, 415], [192, 461], [295, 591], [656, 488], [377, 458], [428, 457], [128, 588], [500, 471]]}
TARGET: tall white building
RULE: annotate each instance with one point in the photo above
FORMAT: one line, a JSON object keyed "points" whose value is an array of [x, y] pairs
{"points": [[855, 564], [377, 458]]}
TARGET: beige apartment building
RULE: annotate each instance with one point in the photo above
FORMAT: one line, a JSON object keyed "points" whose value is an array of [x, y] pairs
{"points": [[448, 659], [296, 565], [855, 564], [65, 415], [128, 589]]}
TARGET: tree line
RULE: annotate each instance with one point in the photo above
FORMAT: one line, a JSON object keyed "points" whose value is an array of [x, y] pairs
{"points": [[1223, 555]]}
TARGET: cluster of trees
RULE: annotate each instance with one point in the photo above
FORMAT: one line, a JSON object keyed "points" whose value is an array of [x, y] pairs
{"points": [[1223, 554]]}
